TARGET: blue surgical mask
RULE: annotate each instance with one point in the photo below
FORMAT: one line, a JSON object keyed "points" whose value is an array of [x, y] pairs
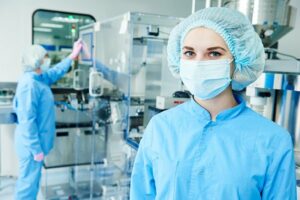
{"points": [[46, 64], [205, 79]]}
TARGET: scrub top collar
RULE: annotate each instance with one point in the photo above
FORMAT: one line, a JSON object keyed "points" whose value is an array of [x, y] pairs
{"points": [[227, 114]]}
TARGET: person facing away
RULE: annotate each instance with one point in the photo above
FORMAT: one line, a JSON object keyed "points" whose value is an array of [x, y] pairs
{"points": [[214, 147], [34, 106]]}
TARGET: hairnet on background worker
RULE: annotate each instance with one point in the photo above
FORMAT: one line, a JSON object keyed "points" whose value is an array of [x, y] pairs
{"points": [[34, 106], [33, 57], [214, 146]]}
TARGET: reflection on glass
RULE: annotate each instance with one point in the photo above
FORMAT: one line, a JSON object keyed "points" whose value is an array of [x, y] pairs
{"points": [[56, 32]]}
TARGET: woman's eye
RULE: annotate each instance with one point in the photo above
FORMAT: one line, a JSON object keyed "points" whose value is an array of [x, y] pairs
{"points": [[214, 54], [188, 53]]}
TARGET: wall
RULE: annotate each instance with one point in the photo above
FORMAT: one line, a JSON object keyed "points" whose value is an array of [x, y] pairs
{"points": [[15, 21]]}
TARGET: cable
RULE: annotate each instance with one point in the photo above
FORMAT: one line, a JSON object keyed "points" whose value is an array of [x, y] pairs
{"points": [[164, 32], [280, 53]]}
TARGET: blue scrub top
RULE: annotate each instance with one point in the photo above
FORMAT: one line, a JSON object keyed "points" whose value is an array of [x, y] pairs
{"points": [[241, 155], [34, 106]]}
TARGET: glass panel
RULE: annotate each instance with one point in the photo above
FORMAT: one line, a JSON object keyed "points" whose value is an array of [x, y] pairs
{"points": [[56, 31], [134, 47], [80, 144]]}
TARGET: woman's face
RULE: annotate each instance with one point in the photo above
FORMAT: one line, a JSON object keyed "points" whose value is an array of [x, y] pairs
{"points": [[205, 44]]}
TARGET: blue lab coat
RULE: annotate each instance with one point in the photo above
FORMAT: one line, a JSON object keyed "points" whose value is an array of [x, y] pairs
{"points": [[239, 156], [35, 131]]}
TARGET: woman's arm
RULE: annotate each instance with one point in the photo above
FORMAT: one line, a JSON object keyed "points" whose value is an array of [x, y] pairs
{"points": [[142, 179], [118, 79], [25, 105], [59, 70]]}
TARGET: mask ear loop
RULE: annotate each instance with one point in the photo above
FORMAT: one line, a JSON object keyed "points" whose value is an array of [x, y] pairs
{"points": [[234, 68], [233, 74], [233, 71]]}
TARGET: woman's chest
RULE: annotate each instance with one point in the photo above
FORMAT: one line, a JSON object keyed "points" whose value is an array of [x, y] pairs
{"points": [[210, 167]]}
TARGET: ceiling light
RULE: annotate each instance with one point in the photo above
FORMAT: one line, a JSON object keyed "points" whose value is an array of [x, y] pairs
{"points": [[40, 29], [65, 19], [52, 25]]}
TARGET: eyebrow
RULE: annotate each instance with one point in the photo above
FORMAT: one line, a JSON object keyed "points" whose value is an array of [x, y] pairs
{"points": [[210, 48], [214, 48], [189, 48]]}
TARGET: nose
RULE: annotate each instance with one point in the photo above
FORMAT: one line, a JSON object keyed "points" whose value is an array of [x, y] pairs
{"points": [[199, 57]]}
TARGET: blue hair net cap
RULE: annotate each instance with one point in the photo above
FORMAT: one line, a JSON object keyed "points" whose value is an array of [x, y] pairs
{"points": [[32, 57], [243, 42]]}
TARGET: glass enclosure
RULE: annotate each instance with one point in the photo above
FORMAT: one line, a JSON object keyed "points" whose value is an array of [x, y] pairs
{"points": [[107, 103], [135, 44]]}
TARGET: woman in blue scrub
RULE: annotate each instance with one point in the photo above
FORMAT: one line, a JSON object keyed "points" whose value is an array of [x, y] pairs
{"points": [[214, 147], [34, 106]]}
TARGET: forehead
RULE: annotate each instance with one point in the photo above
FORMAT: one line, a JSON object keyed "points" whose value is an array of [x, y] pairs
{"points": [[202, 37]]}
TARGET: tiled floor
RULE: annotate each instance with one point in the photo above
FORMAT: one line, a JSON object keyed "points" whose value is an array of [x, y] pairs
{"points": [[7, 190], [58, 185], [7, 187]]}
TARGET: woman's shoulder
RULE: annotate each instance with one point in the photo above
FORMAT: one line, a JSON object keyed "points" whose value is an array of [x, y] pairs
{"points": [[174, 113], [166, 126], [171, 119], [28, 83], [266, 128], [28, 78]]}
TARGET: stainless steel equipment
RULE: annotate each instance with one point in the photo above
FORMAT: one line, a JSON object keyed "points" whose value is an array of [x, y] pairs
{"points": [[73, 147], [280, 91], [272, 19]]}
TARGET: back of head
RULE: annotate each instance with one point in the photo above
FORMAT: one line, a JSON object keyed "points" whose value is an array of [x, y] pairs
{"points": [[32, 57]]}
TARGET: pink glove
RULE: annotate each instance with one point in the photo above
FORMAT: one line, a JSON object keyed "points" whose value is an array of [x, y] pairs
{"points": [[77, 46], [39, 157]]}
